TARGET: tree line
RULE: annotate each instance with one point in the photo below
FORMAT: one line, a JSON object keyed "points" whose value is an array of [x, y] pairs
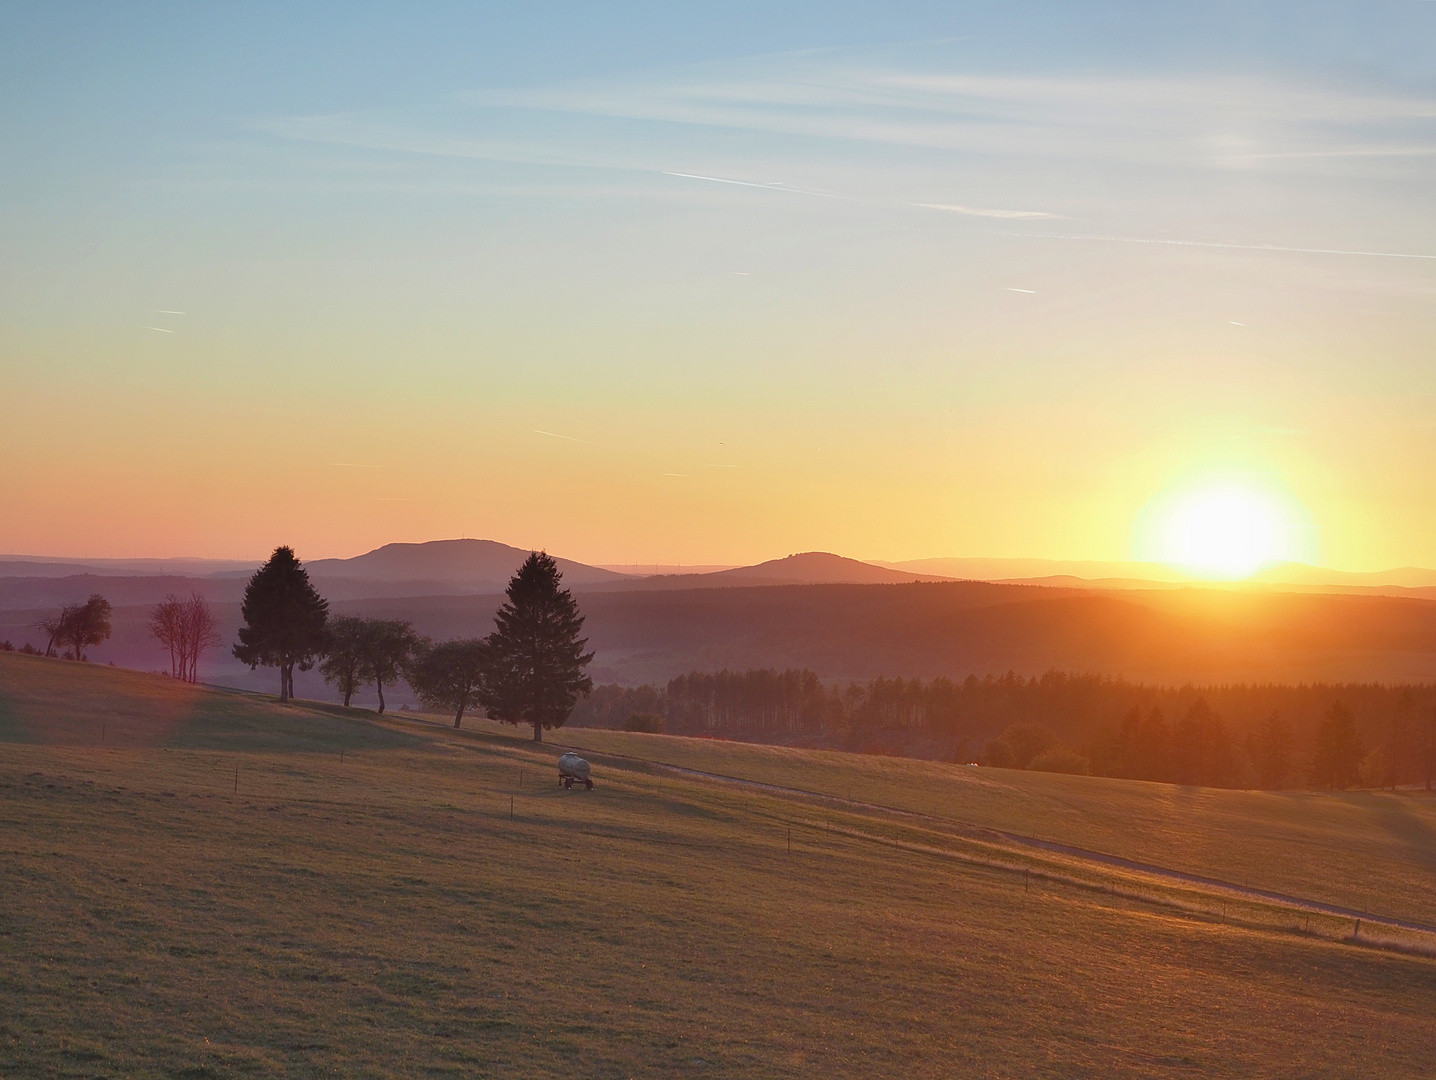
{"points": [[528, 670], [1270, 736]]}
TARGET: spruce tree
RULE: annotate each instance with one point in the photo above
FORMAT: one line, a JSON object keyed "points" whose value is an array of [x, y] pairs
{"points": [[1339, 750], [284, 620], [536, 656]]}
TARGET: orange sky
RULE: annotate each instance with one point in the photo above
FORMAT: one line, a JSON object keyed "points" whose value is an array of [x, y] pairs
{"points": [[718, 306]]}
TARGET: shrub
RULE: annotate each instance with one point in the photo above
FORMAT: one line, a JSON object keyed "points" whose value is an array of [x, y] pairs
{"points": [[6, 646], [1028, 742], [1061, 759], [998, 755], [650, 722]]}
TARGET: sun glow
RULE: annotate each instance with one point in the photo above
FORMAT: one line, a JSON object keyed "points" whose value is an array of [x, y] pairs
{"points": [[1224, 530]]}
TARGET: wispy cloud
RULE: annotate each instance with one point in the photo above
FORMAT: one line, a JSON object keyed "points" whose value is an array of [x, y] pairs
{"points": [[1217, 121], [1217, 244], [902, 136]]}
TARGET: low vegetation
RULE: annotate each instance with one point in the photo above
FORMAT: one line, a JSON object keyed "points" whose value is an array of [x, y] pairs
{"points": [[379, 898]]}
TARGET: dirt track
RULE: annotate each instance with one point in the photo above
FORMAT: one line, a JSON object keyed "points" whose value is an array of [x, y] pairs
{"points": [[1096, 857]]}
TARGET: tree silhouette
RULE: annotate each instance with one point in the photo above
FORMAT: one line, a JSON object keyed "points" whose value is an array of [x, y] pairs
{"points": [[386, 647], [536, 674], [79, 626], [284, 620], [1271, 750], [187, 628], [1337, 761], [343, 664], [451, 675], [1428, 747], [51, 626]]}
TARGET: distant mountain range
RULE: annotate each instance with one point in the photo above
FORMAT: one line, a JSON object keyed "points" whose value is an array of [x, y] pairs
{"points": [[471, 566], [476, 565], [840, 617], [1145, 574], [808, 568]]}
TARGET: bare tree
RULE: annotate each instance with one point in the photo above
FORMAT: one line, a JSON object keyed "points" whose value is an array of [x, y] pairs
{"points": [[52, 626], [201, 632], [187, 628], [166, 623]]}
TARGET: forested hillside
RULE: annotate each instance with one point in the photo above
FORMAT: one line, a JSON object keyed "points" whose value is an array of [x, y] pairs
{"points": [[1234, 735]]}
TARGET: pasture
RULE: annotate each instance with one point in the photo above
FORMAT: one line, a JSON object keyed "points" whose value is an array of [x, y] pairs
{"points": [[230, 888]]}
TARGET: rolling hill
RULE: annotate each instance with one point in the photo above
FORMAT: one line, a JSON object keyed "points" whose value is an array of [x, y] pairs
{"points": [[436, 904], [808, 568], [474, 565]]}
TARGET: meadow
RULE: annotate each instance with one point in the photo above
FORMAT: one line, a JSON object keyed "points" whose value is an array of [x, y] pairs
{"points": [[202, 883]]}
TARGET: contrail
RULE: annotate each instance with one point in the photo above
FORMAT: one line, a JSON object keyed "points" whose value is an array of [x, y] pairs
{"points": [[1030, 291], [762, 187], [161, 311], [161, 329], [570, 438]]}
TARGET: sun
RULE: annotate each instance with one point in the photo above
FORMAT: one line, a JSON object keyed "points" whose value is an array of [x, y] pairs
{"points": [[1223, 529]]}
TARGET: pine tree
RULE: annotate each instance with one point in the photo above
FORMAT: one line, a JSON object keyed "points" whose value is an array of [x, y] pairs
{"points": [[284, 620], [1339, 750], [1272, 750], [536, 656]]}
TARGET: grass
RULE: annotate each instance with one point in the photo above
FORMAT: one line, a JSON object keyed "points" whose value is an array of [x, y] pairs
{"points": [[1374, 851], [62, 702], [383, 914]]}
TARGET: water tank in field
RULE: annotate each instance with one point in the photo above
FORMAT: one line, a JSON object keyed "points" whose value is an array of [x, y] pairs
{"points": [[571, 764]]}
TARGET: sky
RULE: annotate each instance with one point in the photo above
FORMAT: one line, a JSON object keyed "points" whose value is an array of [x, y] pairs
{"points": [[658, 283]]}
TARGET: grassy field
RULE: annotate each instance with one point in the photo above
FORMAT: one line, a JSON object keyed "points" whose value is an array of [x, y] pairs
{"points": [[1374, 851], [226, 895]]}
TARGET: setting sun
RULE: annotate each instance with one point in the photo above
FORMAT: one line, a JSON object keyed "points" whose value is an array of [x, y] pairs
{"points": [[1223, 530]]}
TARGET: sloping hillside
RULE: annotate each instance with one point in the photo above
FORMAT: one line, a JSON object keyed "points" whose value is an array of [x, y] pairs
{"points": [[448, 909], [59, 702]]}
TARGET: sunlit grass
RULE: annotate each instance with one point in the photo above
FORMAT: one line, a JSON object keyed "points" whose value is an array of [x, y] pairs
{"points": [[444, 908], [1370, 850]]}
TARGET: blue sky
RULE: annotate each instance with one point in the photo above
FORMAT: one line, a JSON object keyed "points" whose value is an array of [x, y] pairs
{"points": [[1002, 275]]}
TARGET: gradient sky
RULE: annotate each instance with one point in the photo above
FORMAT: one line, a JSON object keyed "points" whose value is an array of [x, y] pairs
{"points": [[681, 283]]}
